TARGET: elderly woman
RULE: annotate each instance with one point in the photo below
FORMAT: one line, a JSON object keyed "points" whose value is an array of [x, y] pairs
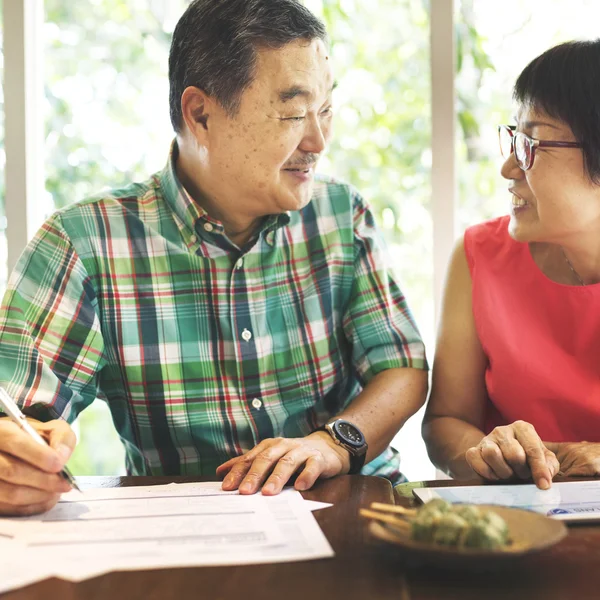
{"points": [[516, 377]]}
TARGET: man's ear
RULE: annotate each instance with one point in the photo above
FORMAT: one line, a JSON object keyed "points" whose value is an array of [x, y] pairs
{"points": [[195, 109]]}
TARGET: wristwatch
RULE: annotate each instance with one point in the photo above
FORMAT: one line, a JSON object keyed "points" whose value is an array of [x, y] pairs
{"points": [[350, 437]]}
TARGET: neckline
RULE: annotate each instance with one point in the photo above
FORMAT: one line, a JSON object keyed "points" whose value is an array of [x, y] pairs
{"points": [[542, 276]]}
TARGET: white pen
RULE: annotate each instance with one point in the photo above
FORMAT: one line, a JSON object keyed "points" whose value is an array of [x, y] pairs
{"points": [[9, 406]]}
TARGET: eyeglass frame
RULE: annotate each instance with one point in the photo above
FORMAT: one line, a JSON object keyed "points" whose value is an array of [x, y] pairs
{"points": [[534, 143]]}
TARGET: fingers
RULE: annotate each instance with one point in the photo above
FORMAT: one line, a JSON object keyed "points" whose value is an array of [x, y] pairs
{"points": [[60, 437], [514, 449], [21, 500], [477, 462], [275, 457], [29, 479], [513, 453], [498, 456], [237, 468], [16, 473], [314, 465], [552, 462], [535, 450], [18, 444], [273, 462]]}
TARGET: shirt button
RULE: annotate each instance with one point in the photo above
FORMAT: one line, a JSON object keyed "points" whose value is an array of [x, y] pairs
{"points": [[239, 264], [246, 335], [270, 238], [256, 403], [208, 227], [193, 239]]}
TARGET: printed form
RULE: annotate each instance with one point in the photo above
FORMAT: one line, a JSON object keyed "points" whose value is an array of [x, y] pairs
{"points": [[154, 527]]}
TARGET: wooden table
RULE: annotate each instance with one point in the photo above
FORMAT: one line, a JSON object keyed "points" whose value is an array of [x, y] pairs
{"points": [[568, 571], [362, 569], [355, 572]]}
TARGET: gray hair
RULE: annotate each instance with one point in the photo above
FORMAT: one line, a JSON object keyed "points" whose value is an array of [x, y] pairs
{"points": [[215, 42]]}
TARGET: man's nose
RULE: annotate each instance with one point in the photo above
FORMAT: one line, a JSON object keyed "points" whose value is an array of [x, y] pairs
{"points": [[315, 138]]}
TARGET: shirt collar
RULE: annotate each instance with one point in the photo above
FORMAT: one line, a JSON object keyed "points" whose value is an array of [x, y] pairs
{"points": [[177, 197], [193, 216]]}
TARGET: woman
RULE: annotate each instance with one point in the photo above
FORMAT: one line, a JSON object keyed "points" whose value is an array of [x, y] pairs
{"points": [[516, 376]]}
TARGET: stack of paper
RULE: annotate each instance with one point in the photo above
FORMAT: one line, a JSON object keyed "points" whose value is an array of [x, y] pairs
{"points": [[175, 525]]}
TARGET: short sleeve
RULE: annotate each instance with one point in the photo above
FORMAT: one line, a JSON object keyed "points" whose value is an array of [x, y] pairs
{"points": [[378, 322], [51, 346]]}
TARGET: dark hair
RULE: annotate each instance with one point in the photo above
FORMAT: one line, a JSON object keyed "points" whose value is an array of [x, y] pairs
{"points": [[564, 82], [215, 41]]}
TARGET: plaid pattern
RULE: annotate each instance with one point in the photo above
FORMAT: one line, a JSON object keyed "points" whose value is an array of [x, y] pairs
{"points": [[202, 349]]}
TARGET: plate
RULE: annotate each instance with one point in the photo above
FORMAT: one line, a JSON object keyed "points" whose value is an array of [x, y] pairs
{"points": [[530, 532]]}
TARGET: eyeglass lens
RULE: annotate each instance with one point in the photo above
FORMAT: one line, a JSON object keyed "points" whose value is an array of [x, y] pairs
{"points": [[522, 147], [522, 150], [505, 142]]}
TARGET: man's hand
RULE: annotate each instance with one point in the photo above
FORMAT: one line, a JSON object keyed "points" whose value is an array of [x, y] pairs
{"points": [[29, 472], [274, 461], [514, 450], [579, 459]]}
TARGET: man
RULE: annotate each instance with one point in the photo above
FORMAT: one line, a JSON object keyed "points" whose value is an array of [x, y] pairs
{"points": [[229, 307]]}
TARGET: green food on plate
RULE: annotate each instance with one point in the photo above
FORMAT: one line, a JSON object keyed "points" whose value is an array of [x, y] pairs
{"points": [[460, 525]]}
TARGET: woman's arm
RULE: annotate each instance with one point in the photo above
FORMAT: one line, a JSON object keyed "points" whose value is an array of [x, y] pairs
{"points": [[454, 418], [453, 424]]}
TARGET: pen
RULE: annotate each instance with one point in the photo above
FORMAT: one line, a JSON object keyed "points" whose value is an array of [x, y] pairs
{"points": [[9, 406]]}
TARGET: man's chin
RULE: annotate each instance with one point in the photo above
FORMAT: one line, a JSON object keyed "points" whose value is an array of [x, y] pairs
{"points": [[296, 201]]}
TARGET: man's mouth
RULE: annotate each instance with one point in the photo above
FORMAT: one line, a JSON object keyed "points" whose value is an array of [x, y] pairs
{"points": [[298, 170]]}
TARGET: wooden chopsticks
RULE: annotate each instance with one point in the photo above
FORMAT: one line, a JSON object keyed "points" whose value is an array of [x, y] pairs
{"points": [[389, 513]]}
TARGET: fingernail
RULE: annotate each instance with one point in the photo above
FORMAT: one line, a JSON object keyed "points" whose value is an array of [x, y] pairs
{"points": [[246, 487], [228, 481], [544, 484], [64, 452], [301, 486], [269, 488]]}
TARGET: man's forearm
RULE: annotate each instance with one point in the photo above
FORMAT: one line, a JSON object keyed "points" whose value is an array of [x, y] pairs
{"points": [[447, 440], [385, 404]]}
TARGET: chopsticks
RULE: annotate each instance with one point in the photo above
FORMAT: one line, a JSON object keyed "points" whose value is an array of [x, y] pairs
{"points": [[392, 508], [389, 513]]}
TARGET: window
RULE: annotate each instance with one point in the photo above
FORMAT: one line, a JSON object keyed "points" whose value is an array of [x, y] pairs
{"points": [[500, 39], [382, 145], [3, 223], [107, 123]]}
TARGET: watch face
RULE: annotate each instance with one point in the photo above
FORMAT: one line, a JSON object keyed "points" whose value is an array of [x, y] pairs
{"points": [[350, 434]]}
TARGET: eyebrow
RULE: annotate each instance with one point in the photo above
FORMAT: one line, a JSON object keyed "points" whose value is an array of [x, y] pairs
{"points": [[532, 124], [296, 90]]}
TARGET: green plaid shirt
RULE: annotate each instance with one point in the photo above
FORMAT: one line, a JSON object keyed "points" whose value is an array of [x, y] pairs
{"points": [[202, 349]]}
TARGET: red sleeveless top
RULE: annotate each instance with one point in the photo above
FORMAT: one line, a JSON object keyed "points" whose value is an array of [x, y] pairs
{"points": [[542, 339]]}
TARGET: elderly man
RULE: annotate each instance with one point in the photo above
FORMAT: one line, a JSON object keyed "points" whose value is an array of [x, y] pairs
{"points": [[236, 313]]}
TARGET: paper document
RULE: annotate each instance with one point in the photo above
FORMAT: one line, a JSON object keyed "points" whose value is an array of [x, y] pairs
{"points": [[176, 525], [568, 501]]}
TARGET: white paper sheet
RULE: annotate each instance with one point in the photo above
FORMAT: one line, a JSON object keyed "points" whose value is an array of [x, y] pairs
{"points": [[177, 525], [568, 501]]}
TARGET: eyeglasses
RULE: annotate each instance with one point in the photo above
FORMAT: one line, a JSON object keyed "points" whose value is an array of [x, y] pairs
{"points": [[523, 146]]}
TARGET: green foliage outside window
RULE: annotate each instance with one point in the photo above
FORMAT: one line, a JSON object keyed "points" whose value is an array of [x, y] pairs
{"points": [[107, 124]]}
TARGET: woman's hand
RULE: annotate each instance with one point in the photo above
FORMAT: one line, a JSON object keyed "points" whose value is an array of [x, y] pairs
{"points": [[578, 459], [515, 450]]}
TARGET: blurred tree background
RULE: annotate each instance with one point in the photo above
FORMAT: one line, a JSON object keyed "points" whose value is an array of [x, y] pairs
{"points": [[107, 123]]}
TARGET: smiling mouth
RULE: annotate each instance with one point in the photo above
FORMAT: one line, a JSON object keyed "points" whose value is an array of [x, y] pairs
{"points": [[298, 170], [518, 202]]}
